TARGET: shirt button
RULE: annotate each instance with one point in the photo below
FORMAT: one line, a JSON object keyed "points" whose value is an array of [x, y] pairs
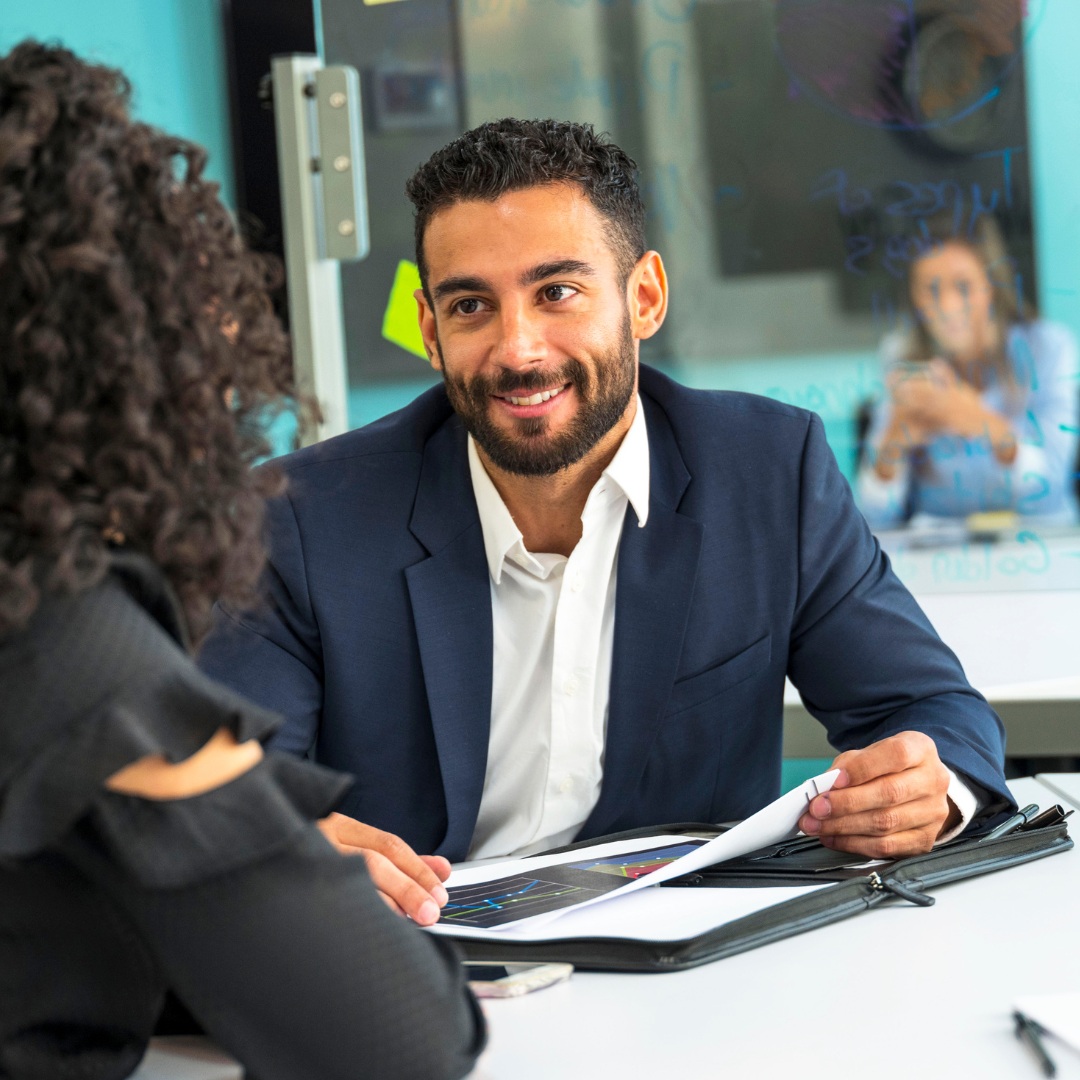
{"points": [[566, 785], [577, 583], [571, 687]]}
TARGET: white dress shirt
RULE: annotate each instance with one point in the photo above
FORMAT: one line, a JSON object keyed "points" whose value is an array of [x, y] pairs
{"points": [[554, 624], [553, 619]]}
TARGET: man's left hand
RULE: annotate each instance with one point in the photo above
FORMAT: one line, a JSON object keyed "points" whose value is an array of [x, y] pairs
{"points": [[889, 800]]}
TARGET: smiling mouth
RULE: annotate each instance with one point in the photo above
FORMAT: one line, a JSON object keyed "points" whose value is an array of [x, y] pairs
{"points": [[538, 398]]}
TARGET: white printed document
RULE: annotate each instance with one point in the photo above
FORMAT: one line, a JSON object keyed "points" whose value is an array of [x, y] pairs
{"points": [[518, 898]]}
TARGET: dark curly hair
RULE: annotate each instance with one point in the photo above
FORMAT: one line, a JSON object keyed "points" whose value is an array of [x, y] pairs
{"points": [[138, 350], [509, 155]]}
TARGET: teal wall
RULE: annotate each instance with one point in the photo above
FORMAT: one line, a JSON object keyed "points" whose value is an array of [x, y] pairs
{"points": [[171, 50], [1054, 117]]}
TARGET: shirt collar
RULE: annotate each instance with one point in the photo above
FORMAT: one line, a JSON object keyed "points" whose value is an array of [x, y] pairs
{"points": [[628, 470], [501, 535]]}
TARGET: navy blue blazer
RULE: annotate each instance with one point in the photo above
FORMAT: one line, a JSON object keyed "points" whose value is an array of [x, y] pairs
{"points": [[376, 642]]}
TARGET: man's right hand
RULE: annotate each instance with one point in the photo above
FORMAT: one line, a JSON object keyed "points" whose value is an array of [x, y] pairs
{"points": [[411, 884]]}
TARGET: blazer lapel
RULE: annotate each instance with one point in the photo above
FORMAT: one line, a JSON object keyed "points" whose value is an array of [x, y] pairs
{"points": [[657, 569], [451, 602]]}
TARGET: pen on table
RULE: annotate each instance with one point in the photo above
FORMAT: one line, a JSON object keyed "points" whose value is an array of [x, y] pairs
{"points": [[1030, 1034], [1009, 824]]}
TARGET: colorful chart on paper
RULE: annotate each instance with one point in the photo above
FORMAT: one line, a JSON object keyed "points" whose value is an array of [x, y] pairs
{"points": [[504, 900], [637, 864]]}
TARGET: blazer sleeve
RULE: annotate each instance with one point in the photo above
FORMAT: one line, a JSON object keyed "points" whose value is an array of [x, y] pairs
{"points": [[864, 657], [272, 655], [280, 947]]}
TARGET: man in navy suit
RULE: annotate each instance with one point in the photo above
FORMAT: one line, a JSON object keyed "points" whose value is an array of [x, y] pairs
{"points": [[558, 595]]}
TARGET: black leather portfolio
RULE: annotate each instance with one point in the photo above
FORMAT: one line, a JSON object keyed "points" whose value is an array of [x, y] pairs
{"points": [[854, 888]]}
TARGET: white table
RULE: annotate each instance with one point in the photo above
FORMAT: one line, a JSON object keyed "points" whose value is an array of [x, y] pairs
{"points": [[1065, 785], [895, 993]]}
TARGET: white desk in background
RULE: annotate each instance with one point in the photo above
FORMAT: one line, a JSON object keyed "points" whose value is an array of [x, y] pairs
{"points": [[1065, 785], [891, 994], [1010, 610], [1021, 650], [942, 557]]}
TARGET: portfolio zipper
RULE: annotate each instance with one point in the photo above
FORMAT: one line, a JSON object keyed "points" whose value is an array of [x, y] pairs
{"points": [[876, 883]]}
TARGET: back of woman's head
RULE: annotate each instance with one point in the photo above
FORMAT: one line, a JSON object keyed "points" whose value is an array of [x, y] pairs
{"points": [[138, 349]]}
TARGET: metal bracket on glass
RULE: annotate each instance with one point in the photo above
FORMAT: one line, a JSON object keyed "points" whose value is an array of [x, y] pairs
{"points": [[341, 158], [324, 219]]}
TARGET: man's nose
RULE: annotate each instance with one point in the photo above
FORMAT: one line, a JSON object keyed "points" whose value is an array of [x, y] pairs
{"points": [[521, 337]]}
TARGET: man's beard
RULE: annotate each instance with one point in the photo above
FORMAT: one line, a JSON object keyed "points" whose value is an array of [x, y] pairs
{"points": [[527, 449]]}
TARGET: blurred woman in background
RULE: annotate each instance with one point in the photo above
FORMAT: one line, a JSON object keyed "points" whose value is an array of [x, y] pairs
{"points": [[146, 841], [982, 399]]}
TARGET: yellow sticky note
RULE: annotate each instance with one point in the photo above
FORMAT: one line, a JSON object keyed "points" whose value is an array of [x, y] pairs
{"points": [[399, 323]]}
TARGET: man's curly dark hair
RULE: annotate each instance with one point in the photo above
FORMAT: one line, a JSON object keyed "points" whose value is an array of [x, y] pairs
{"points": [[138, 349]]}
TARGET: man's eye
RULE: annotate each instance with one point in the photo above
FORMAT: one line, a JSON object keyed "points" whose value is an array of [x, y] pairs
{"points": [[467, 306], [554, 293]]}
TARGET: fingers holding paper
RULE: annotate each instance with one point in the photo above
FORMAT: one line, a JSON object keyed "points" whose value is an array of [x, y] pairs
{"points": [[890, 800], [411, 884]]}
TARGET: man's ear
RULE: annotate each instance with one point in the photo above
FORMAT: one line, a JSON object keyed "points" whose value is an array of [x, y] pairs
{"points": [[647, 295], [426, 318]]}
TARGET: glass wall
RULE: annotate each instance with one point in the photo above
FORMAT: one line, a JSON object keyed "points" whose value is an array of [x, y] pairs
{"points": [[798, 158]]}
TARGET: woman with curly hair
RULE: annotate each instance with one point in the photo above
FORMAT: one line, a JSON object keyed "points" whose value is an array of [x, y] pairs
{"points": [[146, 841]]}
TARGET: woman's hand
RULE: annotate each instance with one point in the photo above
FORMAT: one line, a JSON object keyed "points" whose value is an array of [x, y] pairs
{"points": [[930, 400], [937, 401]]}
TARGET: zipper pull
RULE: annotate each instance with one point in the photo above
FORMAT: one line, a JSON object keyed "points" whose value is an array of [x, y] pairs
{"points": [[897, 888]]}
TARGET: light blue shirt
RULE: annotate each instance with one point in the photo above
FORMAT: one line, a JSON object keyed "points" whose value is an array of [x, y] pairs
{"points": [[955, 476]]}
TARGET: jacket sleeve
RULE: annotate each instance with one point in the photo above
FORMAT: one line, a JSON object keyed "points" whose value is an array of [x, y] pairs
{"points": [[279, 946], [272, 655], [864, 657]]}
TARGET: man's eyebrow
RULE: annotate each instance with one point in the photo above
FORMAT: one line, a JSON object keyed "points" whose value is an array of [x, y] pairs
{"points": [[556, 268], [460, 284], [540, 272]]}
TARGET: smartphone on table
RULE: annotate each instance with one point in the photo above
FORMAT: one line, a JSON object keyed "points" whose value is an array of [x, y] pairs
{"points": [[512, 980]]}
